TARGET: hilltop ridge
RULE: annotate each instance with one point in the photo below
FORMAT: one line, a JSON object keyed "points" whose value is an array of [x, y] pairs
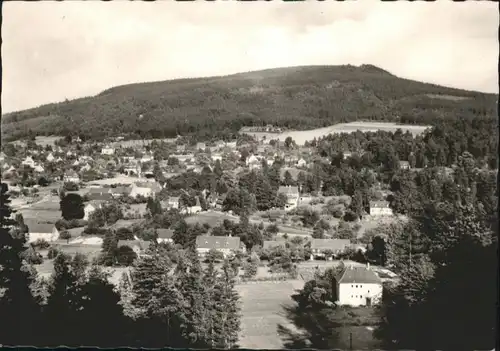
{"points": [[302, 97]]}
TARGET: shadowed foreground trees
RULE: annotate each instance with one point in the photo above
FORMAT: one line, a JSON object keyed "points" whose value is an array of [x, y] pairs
{"points": [[183, 307]]}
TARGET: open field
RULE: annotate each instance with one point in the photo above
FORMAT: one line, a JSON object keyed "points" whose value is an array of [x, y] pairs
{"points": [[116, 180], [301, 136], [213, 218], [262, 312], [140, 142], [46, 140]]}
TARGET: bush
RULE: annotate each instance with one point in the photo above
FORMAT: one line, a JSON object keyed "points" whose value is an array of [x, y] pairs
{"points": [[65, 235], [53, 252], [32, 257], [69, 186], [41, 244]]}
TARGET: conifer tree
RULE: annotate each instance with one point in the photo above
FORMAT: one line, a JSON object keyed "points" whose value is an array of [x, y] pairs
{"points": [[17, 304]]}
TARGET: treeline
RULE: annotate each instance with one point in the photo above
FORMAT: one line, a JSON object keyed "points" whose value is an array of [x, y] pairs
{"points": [[160, 304], [298, 97]]}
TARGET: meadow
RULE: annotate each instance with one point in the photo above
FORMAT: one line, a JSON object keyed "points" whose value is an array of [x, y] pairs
{"points": [[301, 136]]}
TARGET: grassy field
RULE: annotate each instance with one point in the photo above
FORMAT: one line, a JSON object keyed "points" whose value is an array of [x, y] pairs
{"points": [[46, 140], [211, 217], [301, 136], [262, 312]]}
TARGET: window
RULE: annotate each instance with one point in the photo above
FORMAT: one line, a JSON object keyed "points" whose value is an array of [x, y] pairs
{"points": [[352, 286], [356, 286]]}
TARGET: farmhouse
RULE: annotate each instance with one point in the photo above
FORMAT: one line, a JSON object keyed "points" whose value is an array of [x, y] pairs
{"points": [[45, 231], [38, 169], [301, 163], [404, 165], [28, 161], [292, 195], [225, 244], [359, 286], [91, 207], [71, 177], [201, 146], [271, 244], [164, 235], [107, 150], [138, 246], [380, 208], [320, 246]]}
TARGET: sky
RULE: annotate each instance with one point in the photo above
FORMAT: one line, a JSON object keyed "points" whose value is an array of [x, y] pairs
{"points": [[53, 51]]}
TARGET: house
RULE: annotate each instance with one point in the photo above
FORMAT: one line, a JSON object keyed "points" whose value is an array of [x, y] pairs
{"points": [[37, 231], [193, 209], [136, 191], [380, 208], [200, 146], [69, 153], [28, 161], [138, 246], [292, 195], [147, 158], [225, 244], [301, 163], [164, 235], [86, 167], [270, 162], [271, 244], [50, 157], [71, 177], [216, 157], [305, 199], [181, 148], [76, 163], [347, 154], [59, 160], [337, 246], [91, 207], [231, 145], [404, 165], [184, 158], [132, 170], [173, 202], [359, 286], [107, 150], [38, 169], [120, 191]]}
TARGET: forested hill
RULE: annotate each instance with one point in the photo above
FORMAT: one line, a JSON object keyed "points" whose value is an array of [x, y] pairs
{"points": [[295, 97]]}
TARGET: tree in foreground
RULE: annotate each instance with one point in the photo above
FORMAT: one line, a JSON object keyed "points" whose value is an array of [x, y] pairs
{"points": [[17, 304], [72, 207]]}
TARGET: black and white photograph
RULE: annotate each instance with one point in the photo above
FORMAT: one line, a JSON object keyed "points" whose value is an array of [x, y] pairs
{"points": [[249, 175]]}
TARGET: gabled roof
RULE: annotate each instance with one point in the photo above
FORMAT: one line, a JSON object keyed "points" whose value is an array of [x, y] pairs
{"points": [[36, 227], [164, 233], [268, 244], [217, 242], [363, 275], [379, 204], [288, 190], [143, 245], [101, 197], [330, 244], [98, 191]]}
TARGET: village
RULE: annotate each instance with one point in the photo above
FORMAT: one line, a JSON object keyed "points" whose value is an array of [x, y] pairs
{"points": [[128, 176]]}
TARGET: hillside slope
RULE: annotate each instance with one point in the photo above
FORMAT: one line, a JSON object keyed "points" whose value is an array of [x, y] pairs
{"points": [[295, 97]]}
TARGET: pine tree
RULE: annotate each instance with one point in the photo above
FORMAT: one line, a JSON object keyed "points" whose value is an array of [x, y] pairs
{"points": [[227, 309], [64, 304], [17, 303]]}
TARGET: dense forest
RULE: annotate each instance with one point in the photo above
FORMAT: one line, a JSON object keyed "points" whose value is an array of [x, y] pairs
{"points": [[296, 97]]}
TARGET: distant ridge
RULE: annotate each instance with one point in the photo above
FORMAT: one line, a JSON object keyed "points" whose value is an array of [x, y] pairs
{"points": [[301, 97]]}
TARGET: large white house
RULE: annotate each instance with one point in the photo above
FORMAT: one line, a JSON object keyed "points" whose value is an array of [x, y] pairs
{"points": [[380, 208], [71, 177], [45, 231], [359, 286], [292, 195], [225, 244], [107, 150]]}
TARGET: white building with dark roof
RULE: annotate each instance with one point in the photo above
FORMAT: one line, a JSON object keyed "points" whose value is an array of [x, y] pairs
{"points": [[359, 286], [292, 195], [225, 244], [44, 231], [380, 208]]}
